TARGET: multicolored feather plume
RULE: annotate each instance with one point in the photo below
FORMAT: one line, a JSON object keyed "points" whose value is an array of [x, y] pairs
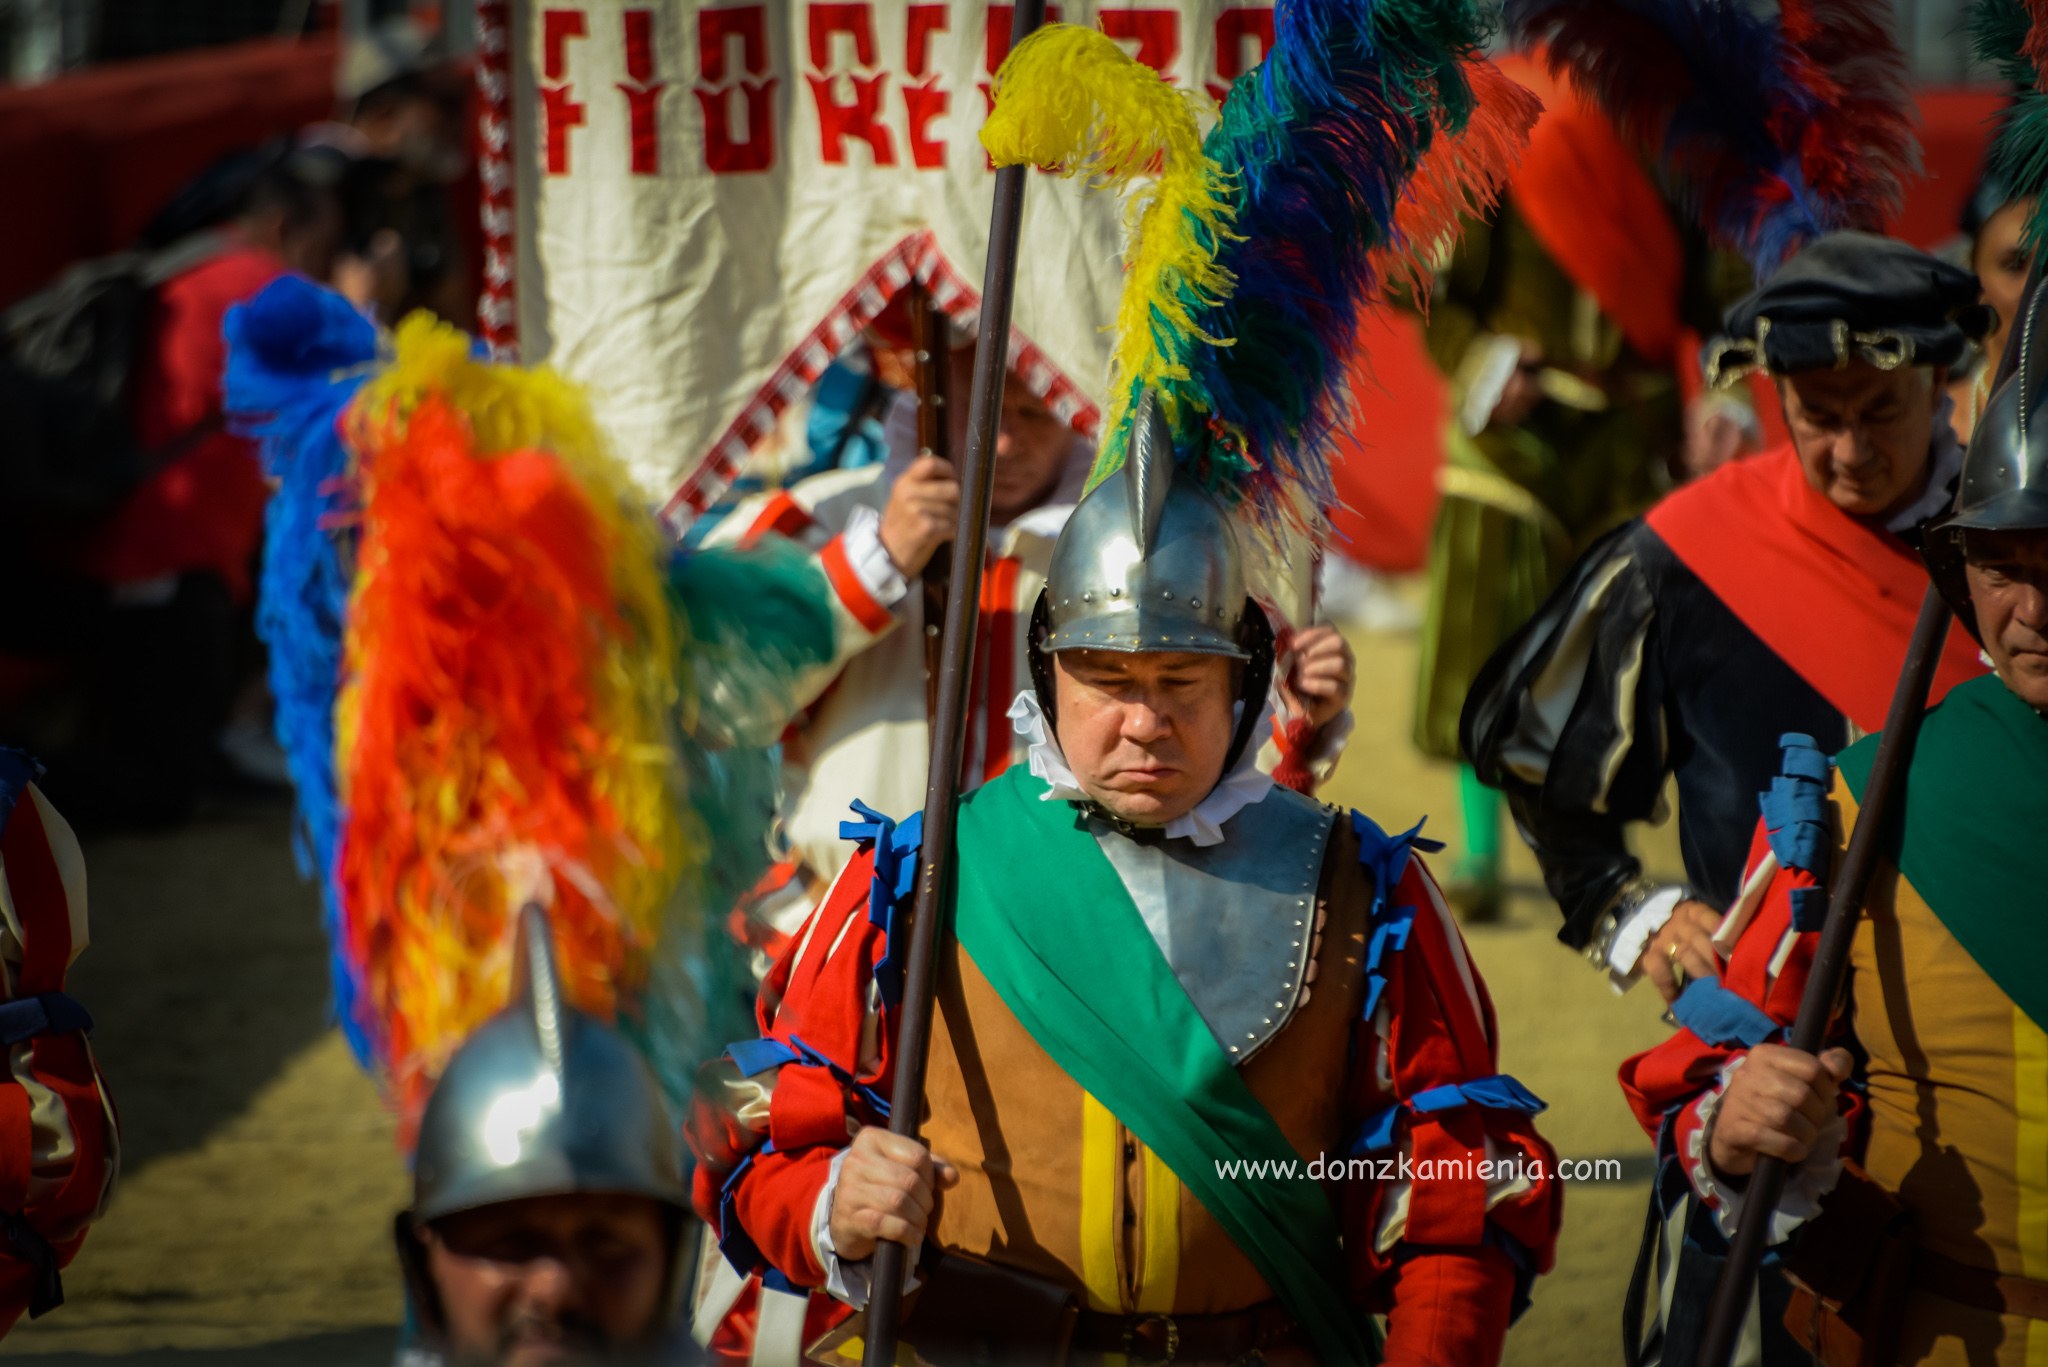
{"points": [[1772, 130], [497, 682], [1315, 152], [1096, 112], [510, 688], [2012, 36]]}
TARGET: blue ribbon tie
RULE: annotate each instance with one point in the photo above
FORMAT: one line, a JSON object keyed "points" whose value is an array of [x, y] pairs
{"points": [[1720, 1017], [753, 1056], [1387, 856], [1497, 1093], [896, 845], [51, 1013], [1795, 812]]}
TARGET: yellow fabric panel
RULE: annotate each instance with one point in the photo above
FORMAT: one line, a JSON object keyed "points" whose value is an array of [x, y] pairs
{"points": [[1159, 1269], [2030, 1088], [1099, 1224], [2030, 1096]]}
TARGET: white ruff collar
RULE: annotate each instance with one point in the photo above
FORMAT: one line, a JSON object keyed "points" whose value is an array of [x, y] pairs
{"points": [[1245, 784]]}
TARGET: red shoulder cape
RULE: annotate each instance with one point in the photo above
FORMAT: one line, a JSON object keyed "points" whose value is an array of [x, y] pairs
{"points": [[1832, 596]]}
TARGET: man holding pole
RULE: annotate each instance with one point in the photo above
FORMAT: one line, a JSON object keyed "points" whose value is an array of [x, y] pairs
{"points": [[1205, 1072], [1174, 986], [1920, 1138]]}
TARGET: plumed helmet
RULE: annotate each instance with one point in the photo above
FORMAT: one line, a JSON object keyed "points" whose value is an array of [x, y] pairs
{"points": [[544, 1100], [1149, 562], [2004, 484]]}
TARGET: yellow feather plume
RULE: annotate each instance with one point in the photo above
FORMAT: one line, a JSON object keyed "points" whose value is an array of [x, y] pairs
{"points": [[1069, 99]]}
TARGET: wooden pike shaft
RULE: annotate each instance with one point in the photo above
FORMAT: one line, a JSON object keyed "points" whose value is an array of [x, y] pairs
{"points": [[949, 727]]}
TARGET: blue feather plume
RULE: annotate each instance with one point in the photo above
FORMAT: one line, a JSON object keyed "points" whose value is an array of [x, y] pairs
{"points": [[1770, 130], [297, 354], [1322, 138]]}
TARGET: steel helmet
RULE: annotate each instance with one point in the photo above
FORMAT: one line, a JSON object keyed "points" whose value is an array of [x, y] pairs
{"points": [[2004, 483], [544, 1100], [1150, 563]]}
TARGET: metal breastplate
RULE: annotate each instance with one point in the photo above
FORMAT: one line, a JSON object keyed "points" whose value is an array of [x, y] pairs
{"points": [[1236, 920]]}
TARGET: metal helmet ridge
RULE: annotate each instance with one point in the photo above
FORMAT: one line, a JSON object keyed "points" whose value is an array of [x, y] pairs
{"points": [[2004, 483], [544, 1100], [1149, 562]]}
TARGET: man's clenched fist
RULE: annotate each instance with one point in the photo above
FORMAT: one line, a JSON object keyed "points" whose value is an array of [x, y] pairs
{"points": [[1777, 1103], [923, 512], [886, 1188]]}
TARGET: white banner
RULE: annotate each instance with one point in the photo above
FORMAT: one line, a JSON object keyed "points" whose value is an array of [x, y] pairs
{"points": [[714, 198]]}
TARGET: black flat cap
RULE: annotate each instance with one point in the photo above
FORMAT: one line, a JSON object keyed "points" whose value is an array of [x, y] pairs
{"points": [[1851, 297]]}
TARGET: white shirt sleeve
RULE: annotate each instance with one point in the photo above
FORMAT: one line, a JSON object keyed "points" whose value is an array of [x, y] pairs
{"points": [[862, 541]]}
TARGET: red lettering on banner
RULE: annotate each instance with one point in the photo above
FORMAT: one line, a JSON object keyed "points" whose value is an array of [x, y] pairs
{"points": [[1237, 32], [927, 100], [1154, 32], [925, 20], [559, 110], [725, 152], [557, 27], [643, 97], [839, 120]]}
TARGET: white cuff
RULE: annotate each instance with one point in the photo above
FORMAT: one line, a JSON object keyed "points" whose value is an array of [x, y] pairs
{"points": [[847, 1279], [1814, 1176], [1490, 362], [1633, 935], [862, 541]]}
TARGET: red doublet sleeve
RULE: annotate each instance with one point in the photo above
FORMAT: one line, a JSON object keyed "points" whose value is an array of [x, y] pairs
{"points": [[758, 1184], [1768, 968], [1450, 1308], [1427, 1089]]}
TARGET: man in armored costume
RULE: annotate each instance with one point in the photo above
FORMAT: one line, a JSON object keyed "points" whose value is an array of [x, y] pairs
{"points": [[1172, 987], [860, 722], [1919, 1192], [549, 1204]]}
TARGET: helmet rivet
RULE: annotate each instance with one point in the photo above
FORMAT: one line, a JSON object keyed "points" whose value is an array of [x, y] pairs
{"points": [[1116, 593], [1167, 594], [1195, 603], [1087, 597]]}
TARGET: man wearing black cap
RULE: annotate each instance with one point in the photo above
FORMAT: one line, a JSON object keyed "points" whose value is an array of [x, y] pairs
{"points": [[1773, 596], [1936, 1083]]}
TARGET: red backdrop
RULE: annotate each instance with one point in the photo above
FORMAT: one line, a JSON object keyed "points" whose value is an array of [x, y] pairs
{"points": [[94, 155]]}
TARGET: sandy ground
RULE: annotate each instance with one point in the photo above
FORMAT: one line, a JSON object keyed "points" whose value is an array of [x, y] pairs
{"points": [[252, 1222]]}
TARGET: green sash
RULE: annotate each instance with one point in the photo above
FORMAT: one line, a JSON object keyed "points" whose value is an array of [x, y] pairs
{"points": [[1050, 925], [1974, 812]]}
